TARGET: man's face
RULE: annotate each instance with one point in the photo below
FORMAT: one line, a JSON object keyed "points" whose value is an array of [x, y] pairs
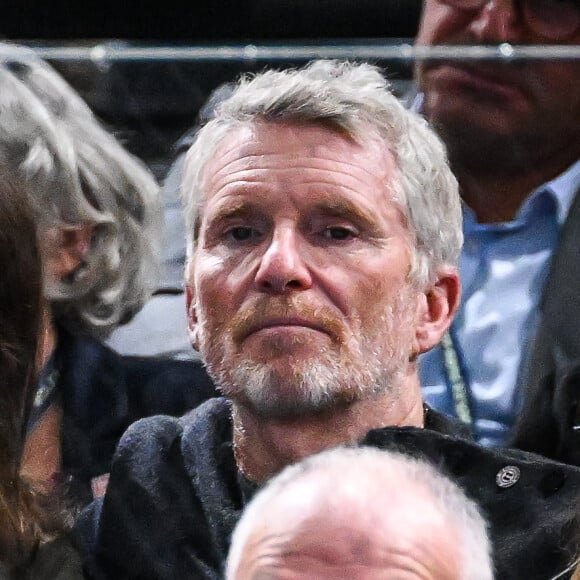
{"points": [[300, 298], [536, 103]]}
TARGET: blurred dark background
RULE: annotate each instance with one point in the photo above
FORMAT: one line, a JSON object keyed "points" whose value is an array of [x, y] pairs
{"points": [[209, 20], [150, 103]]}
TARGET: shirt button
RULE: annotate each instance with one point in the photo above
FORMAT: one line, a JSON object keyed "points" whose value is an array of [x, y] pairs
{"points": [[507, 476]]}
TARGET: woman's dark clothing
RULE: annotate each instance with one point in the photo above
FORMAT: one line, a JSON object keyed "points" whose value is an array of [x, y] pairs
{"points": [[101, 393], [56, 560], [175, 495]]}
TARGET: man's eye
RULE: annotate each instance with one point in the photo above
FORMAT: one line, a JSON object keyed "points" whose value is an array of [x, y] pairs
{"points": [[242, 233], [338, 233]]}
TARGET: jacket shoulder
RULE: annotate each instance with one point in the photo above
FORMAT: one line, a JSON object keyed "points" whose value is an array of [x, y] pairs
{"points": [[529, 502]]}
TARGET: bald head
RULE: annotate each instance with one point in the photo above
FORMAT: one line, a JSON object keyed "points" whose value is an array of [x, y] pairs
{"points": [[360, 514]]}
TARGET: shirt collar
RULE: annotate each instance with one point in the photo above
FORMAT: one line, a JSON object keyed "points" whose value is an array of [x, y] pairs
{"points": [[563, 189]]}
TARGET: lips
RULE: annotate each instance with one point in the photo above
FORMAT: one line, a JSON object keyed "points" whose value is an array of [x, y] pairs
{"points": [[284, 322], [491, 81]]}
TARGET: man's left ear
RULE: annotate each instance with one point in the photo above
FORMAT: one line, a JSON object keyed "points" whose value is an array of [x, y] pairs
{"points": [[437, 307]]}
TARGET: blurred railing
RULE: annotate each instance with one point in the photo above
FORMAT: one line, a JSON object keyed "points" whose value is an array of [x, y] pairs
{"points": [[150, 94], [110, 52]]}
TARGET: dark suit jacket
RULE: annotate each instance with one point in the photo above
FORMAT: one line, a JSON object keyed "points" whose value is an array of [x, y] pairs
{"points": [[175, 495], [102, 393], [550, 418]]}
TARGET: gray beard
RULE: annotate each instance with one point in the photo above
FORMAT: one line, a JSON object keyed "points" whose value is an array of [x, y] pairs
{"points": [[330, 380], [316, 387]]}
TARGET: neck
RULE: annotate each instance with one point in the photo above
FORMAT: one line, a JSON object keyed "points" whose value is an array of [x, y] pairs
{"points": [[495, 190], [263, 447], [494, 199]]}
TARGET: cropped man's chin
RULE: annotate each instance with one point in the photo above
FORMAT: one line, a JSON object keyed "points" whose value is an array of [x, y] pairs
{"points": [[298, 344], [291, 407]]}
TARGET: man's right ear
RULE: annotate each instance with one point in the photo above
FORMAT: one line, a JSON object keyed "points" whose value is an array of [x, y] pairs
{"points": [[192, 324]]}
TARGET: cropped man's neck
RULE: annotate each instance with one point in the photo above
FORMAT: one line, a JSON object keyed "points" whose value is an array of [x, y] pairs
{"points": [[496, 194], [263, 447], [495, 199]]}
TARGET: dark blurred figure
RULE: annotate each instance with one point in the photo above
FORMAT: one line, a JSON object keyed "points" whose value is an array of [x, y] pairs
{"points": [[31, 516], [512, 130], [99, 223]]}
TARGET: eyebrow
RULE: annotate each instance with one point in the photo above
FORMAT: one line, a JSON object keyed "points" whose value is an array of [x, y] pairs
{"points": [[229, 210], [345, 208], [232, 209], [329, 205]]}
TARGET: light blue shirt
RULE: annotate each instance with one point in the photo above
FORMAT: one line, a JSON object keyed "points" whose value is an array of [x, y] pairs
{"points": [[503, 268]]}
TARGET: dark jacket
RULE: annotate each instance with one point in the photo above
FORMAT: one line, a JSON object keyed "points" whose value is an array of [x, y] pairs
{"points": [[102, 393], [175, 495], [55, 560], [549, 420]]}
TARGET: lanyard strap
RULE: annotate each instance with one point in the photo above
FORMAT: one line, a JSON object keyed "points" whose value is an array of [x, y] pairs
{"points": [[455, 376]]}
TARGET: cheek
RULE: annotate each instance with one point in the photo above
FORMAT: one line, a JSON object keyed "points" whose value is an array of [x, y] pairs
{"points": [[362, 287], [221, 293], [372, 298], [439, 23], [557, 83]]}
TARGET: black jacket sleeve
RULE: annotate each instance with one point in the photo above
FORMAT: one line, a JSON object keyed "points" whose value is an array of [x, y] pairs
{"points": [[150, 524]]}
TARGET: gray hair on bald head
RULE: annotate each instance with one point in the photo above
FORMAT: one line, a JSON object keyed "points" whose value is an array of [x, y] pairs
{"points": [[76, 173], [363, 477], [354, 99]]}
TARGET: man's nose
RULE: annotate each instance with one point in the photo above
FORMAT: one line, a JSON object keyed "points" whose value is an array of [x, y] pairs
{"points": [[282, 269], [497, 21]]}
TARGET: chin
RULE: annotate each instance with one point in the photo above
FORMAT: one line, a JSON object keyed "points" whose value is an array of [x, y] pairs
{"points": [[280, 391], [312, 389]]}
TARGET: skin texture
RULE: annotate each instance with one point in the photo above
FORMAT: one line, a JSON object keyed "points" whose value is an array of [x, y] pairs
{"points": [[307, 536], [508, 127], [299, 295]]}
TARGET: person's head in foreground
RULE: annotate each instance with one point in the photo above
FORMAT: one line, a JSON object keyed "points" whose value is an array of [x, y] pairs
{"points": [[325, 229], [360, 513], [95, 205]]}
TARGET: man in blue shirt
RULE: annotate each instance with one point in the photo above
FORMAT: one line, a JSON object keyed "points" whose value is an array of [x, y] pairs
{"points": [[513, 135]]}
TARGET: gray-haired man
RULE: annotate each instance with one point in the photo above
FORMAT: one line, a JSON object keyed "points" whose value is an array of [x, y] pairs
{"points": [[325, 227]]}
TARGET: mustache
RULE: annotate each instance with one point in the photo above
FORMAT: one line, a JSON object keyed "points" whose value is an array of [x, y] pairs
{"points": [[264, 311]]}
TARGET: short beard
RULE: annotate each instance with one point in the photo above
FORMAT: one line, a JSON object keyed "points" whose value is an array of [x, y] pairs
{"points": [[366, 368]]}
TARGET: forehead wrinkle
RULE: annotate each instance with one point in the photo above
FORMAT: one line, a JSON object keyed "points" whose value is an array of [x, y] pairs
{"points": [[315, 157], [315, 164], [250, 181]]}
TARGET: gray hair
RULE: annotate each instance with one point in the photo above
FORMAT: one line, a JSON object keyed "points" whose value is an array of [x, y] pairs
{"points": [[352, 98], [362, 476], [76, 173]]}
